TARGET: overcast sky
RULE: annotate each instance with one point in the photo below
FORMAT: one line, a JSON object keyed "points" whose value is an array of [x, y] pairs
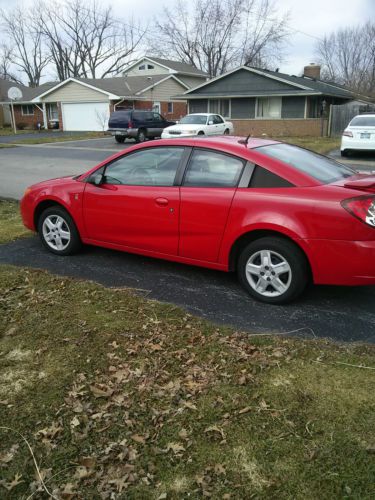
{"points": [[314, 17]]}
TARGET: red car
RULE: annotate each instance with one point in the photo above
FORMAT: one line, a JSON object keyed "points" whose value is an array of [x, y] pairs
{"points": [[279, 215]]}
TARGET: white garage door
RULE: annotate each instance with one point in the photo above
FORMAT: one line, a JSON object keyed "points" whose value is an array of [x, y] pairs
{"points": [[85, 116]]}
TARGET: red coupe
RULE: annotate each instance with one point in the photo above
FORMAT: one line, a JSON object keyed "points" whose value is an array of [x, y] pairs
{"points": [[279, 215]]}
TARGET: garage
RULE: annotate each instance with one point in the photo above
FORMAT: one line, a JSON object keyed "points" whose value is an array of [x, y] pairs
{"points": [[85, 116]]}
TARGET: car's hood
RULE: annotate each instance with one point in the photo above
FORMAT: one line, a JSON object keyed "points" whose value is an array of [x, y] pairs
{"points": [[56, 180], [182, 127]]}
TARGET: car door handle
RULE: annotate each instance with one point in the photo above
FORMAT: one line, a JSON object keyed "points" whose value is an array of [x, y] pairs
{"points": [[162, 202]]}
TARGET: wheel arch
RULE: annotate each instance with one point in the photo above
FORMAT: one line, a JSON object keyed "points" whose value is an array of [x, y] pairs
{"points": [[250, 236], [43, 205]]}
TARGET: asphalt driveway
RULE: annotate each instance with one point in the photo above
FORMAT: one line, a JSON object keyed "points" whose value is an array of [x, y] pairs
{"points": [[340, 313]]}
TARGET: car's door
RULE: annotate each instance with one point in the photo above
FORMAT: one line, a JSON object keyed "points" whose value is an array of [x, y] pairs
{"points": [[219, 124], [211, 126], [158, 124], [137, 205], [207, 192]]}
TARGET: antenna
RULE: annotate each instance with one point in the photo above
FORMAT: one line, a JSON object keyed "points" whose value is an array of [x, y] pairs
{"points": [[244, 141]]}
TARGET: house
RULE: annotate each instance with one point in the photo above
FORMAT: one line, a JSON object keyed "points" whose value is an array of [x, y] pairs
{"points": [[260, 101], [84, 104]]}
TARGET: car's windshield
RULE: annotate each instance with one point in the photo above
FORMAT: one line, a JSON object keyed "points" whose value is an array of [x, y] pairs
{"points": [[317, 166], [194, 119], [363, 121]]}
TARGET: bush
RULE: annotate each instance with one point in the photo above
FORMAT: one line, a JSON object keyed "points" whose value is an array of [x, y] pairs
{"points": [[21, 125]]}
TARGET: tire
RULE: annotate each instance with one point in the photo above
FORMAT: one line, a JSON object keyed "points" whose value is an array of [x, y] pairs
{"points": [[226, 131], [120, 139], [142, 135], [267, 255], [53, 221], [345, 153], [200, 132]]}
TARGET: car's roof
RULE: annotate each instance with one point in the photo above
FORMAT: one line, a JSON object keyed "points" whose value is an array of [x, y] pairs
{"points": [[364, 114], [222, 140], [200, 114]]}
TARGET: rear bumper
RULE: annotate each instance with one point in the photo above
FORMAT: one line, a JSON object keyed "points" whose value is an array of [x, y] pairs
{"points": [[124, 132], [337, 262], [357, 144]]}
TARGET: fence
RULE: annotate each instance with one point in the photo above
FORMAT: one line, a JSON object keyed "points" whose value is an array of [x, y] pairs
{"points": [[341, 114]]}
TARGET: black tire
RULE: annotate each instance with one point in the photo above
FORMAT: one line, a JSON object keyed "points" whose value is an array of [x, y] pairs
{"points": [[120, 138], [226, 131], [69, 247], [345, 153], [142, 135], [294, 281], [201, 132]]}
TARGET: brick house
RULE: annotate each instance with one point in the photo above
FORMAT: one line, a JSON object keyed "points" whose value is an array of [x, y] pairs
{"points": [[84, 104], [260, 101]]}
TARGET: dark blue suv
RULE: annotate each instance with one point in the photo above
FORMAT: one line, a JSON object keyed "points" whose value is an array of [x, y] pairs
{"points": [[136, 124]]}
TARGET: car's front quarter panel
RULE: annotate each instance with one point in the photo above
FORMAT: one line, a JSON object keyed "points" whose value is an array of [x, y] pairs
{"points": [[66, 192]]}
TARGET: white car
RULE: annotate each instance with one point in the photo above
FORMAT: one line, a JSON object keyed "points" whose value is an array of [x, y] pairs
{"points": [[359, 135], [198, 124]]}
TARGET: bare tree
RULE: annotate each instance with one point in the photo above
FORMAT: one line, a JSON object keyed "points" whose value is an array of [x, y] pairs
{"points": [[86, 39], [348, 57], [216, 35], [28, 50]]}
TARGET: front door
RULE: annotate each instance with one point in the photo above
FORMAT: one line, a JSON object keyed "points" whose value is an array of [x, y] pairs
{"points": [[138, 205]]}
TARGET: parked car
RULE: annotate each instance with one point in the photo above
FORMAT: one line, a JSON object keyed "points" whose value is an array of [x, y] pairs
{"points": [[199, 124], [359, 135], [279, 215], [136, 124]]}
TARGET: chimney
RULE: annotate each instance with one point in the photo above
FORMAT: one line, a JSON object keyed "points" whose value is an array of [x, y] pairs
{"points": [[312, 71]]}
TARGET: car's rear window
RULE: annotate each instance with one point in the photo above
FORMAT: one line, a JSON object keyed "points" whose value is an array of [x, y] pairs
{"points": [[317, 166], [363, 121]]}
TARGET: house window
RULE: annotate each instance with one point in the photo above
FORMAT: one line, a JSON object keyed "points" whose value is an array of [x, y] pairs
{"points": [[150, 66], [269, 107], [220, 106], [170, 107], [142, 67], [214, 105], [27, 110]]}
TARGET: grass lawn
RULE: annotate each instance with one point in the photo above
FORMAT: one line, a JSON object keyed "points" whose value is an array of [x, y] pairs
{"points": [[123, 397], [11, 226], [322, 145], [9, 131], [55, 137]]}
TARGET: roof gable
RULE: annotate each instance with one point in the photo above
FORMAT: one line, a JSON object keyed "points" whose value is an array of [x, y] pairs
{"points": [[168, 66], [241, 82]]}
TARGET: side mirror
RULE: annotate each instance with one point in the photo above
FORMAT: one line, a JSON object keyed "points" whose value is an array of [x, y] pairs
{"points": [[210, 122], [97, 179]]}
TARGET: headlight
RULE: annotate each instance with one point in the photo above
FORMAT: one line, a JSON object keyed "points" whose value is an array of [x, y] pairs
{"points": [[191, 131]]}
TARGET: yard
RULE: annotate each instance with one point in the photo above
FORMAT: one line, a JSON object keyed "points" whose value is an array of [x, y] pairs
{"points": [[105, 394]]}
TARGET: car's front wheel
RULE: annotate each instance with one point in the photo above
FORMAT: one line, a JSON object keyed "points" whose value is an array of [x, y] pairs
{"points": [[273, 270], [120, 139], [58, 231]]}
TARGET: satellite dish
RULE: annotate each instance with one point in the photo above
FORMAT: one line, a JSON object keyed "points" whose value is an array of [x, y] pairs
{"points": [[14, 93]]}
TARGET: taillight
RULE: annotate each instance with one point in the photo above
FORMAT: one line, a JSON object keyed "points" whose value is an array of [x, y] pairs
{"points": [[347, 133], [130, 124], [362, 207]]}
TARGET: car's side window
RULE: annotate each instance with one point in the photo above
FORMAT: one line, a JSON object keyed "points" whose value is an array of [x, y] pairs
{"points": [[218, 120], [150, 167], [211, 120], [263, 178], [157, 117], [211, 169]]}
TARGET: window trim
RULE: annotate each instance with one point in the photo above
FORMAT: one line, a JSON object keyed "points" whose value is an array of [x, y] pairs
{"points": [[27, 106], [258, 117], [224, 153], [170, 103]]}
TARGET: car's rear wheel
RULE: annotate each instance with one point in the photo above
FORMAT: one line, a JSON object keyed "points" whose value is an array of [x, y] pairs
{"points": [[345, 153], [58, 232], [273, 270], [120, 139], [200, 132], [141, 136], [226, 131]]}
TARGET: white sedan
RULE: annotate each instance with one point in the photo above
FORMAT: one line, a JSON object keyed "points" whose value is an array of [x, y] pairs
{"points": [[359, 135], [198, 124]]}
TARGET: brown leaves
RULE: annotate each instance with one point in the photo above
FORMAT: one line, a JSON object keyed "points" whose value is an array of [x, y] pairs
{"points": [[8, 456], [176, 448], [11, 484], [101, 390]]}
